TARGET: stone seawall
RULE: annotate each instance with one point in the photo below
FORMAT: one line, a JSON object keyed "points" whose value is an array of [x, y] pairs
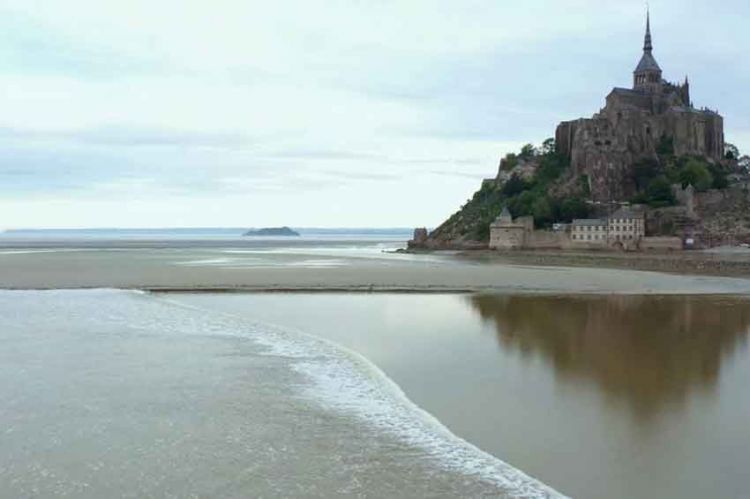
{"points": [[695, 263], [661, 244], [547, 240]]}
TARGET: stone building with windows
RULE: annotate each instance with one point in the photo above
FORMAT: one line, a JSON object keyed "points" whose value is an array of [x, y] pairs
{"points": [[627, 225], [624, 229], [589, 232]]}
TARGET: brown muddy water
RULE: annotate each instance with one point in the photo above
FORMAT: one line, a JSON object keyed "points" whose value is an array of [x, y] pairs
{"points": [[595, 395]]}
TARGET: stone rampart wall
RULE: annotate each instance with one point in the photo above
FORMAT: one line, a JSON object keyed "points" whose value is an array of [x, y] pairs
{"points": [[507, 237], [541, 239], [661, 244]]}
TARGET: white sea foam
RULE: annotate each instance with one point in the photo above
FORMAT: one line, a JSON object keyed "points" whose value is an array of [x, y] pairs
{"points": [[240, 263], [345, 381], [35, 251]]}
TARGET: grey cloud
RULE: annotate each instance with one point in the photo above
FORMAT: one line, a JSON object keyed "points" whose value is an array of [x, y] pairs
{"points": [[453, 173], [353, 175], [296, 152], [132, 137]]}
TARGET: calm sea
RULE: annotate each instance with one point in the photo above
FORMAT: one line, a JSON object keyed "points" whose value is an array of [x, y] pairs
{"points": [[220, 233]]}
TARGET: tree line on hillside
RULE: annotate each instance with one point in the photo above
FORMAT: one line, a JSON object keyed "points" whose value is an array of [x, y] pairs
{"points": [[653, 179], [525, 197]]}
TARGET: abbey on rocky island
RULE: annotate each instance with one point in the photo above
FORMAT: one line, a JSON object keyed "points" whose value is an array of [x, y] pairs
{"points": [[649, 171], [632, 125]]}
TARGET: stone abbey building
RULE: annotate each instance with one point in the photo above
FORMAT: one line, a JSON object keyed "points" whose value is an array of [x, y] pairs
{"points": [[638, 124], [631, 126]]}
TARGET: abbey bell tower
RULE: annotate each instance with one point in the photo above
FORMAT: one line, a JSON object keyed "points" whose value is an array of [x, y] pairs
{"points": [[647, 76]]}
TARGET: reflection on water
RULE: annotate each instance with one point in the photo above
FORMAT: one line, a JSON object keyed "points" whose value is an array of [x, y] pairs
{"points": [[648, 352], [600, 397]]}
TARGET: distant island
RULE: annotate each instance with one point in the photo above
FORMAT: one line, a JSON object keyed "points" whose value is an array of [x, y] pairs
{"points": [[272, 231]]}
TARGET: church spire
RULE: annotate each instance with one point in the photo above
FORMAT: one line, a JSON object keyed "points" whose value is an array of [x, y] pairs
{"points": [[647, 76], [647, 44]]}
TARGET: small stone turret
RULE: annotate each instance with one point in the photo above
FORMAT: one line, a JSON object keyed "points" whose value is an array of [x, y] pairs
{"points": [[505, 217]]}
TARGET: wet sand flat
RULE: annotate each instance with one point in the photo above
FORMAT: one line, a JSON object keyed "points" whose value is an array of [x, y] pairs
{"points": [[597, 395], [111, 393], [226, 269]]}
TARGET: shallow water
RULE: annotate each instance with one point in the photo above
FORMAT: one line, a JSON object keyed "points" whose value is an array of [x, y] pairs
{"points": [[598, 395], [123, 394]]}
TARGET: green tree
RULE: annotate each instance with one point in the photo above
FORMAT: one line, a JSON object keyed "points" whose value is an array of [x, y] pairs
{"points": [[542, 211], [509, 162], [574, 207], [731, 151], [659, 192], [513, 186], [527, 152], [551, 166], [696, 174], [523, 204], [644, 171], [720, 182], [549, 147], [665, 147], [719, 175], [585, 185]]}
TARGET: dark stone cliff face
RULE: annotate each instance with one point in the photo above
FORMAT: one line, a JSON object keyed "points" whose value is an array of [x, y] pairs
{"points": [[630, 128]]}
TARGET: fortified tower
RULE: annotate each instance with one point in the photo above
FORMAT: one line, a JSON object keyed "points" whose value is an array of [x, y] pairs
{"points": [[631, 126]]}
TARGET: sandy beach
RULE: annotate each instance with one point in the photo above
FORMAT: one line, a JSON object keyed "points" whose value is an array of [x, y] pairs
{"points": [[178, 266]]}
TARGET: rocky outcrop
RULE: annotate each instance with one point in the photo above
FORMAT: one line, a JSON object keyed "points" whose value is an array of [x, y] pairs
{"points": [[605, 147]]}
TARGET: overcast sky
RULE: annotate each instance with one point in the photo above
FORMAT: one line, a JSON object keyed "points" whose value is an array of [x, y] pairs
{"points": [[145, 113]]}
